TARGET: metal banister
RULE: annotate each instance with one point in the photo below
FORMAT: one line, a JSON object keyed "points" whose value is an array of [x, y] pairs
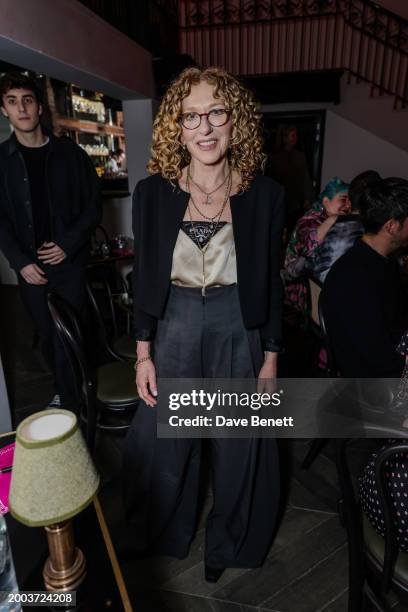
{"points": [[251, 37]]}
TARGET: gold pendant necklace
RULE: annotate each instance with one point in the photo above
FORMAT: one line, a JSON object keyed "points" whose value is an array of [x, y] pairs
{"points": [[209, 193], [195, 205], [219, 215]]}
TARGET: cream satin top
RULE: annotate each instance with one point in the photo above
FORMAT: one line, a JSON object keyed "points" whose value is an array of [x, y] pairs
{"points": [[219, 260]]}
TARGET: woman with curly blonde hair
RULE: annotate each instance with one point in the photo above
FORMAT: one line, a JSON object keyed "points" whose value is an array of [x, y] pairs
{"points": [[207, 304], [245, 147]]}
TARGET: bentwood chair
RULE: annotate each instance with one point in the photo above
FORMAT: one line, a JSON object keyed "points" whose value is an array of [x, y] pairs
{"points": [[318, 444], [107, 396], [117, 346], [332, 367], [111, 288], [314, 289], [375, 565]]}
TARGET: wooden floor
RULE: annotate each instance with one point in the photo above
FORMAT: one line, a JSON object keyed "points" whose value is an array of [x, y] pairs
{"points": [[305, 571]]}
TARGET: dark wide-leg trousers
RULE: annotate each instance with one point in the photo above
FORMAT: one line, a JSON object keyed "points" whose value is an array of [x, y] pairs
{"points": [[69, 282], [206, 339]]}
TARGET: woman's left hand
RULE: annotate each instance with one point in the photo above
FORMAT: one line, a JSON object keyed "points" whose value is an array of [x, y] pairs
{"points": [[267, 374]]}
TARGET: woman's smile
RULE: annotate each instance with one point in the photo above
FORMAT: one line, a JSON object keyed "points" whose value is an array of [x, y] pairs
{"points": [[207, 144]]}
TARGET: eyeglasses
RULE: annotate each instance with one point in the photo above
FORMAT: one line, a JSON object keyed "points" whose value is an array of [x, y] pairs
{"points": [[215, 117]]}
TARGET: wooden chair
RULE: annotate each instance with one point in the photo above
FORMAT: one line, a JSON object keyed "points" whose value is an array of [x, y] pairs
{"points": [[104, 395], [314, 290], [375, 565], [318, 444], [121, 346]]}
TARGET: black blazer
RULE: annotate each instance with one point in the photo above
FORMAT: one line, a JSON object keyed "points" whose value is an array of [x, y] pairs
{"points": [[74, 201], [257, 219]]}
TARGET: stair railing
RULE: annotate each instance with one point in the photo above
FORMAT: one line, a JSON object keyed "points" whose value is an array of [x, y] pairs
{"points": [[253, 37]]}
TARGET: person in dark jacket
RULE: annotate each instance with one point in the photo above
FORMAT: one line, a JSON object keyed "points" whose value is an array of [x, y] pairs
{"points": [[344, 233], [207, 304], [363, 298], [49, 205], [366, 312]]}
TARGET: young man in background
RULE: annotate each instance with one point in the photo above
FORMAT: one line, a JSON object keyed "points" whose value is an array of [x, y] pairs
{"points": [[49, 205]]}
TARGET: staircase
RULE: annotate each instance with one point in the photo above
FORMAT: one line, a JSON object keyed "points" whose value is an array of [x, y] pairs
{"points": [[374, 114], [264, 37]]}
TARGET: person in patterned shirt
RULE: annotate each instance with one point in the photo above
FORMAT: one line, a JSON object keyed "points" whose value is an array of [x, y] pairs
{"points": [[308, 236]]}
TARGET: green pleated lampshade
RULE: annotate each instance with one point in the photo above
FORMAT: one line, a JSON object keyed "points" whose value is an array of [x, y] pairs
{"points": [[53, 476]]}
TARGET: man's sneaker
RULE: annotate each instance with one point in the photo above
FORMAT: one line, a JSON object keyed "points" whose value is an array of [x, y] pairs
{"points": [[55, 402]]}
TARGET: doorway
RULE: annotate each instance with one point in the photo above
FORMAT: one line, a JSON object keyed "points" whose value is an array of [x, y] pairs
{"points": [[310, 137]]}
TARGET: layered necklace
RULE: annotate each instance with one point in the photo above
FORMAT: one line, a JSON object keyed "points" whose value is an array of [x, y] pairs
{"points": [[208, 194], [215, 221]]}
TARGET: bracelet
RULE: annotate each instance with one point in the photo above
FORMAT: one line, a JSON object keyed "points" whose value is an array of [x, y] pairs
{"points": [[142, 360]]}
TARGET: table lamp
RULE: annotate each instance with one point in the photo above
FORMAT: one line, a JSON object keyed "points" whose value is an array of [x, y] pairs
{"points": [[53, 479]]}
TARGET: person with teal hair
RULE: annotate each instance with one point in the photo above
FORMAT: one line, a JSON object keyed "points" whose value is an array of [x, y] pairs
{"points": [[307, 237]]}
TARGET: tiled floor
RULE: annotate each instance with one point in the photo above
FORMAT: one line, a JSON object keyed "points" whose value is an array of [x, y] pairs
{"points": [[305, 571]]}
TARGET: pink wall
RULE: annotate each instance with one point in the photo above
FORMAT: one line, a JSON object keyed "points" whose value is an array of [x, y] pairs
{"points": [[67, 34]]}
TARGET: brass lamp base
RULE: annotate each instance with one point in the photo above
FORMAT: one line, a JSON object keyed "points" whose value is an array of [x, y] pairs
{"points": [[65, 568]]}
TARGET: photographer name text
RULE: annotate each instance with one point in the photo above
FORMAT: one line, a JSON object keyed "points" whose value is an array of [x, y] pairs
{"points": [[223, 421]]}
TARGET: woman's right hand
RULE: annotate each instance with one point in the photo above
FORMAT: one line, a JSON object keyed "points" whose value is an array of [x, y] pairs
{"points": [[146, 382], [324, 227]]}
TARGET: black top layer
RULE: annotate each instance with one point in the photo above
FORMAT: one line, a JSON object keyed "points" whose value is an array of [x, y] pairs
{"points": [[201, 232], [257, 219]]}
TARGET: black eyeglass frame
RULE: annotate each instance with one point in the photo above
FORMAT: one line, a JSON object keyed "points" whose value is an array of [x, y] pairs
{"points": [[201, 115]]}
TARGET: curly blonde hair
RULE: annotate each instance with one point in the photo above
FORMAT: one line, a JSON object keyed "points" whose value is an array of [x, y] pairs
{"points": [[169, 157]]}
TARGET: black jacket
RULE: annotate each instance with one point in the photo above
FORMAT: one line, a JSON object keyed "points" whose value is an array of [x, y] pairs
{"points": [[74, 200], [257, 218], [365, 308]]}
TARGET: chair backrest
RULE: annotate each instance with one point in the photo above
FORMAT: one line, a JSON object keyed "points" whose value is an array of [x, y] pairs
{"points": [[96, 313], [315, 289], [102, 331], [98, 232], [388, 509], [107, 285], [332, 368], [352, 514], [69, 331]]}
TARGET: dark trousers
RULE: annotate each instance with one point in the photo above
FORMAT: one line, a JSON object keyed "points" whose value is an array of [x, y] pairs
{"points": [[68, 281], [161, 476]]}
